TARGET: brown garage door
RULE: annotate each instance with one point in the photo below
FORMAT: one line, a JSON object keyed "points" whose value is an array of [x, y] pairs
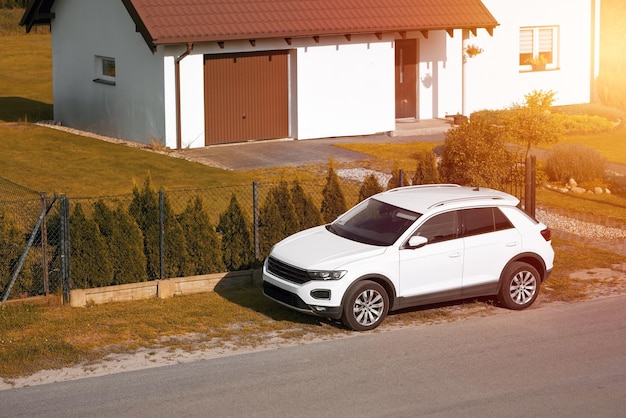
{"points": [[406, 78], [246, 96]]}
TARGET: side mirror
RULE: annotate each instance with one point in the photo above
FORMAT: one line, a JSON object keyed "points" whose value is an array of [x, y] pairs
{"points": [[417, 241]]}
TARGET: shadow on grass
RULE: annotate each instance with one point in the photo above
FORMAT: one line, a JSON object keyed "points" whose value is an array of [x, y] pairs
{"points": [[19, 109], [251, 296]]}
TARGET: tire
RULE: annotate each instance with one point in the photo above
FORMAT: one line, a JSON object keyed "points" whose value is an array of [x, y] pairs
{"points": [[520, 286], [365, 306]]}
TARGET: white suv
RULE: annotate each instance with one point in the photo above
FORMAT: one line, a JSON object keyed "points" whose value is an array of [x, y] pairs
{"points": [[412, 246]]}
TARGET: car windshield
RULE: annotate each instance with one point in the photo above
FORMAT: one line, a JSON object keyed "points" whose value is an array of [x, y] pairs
{"points": [[374, 222]]}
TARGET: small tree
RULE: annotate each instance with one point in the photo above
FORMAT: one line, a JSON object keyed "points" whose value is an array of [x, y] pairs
{"points": [[333, 201], [144, 208], [90, 265], [398, 178], [426, 170], [533, 123], [236, 240], [124, 242], [277, 219], [370, 187], [202, 242], [307, 212], [475, 155]]}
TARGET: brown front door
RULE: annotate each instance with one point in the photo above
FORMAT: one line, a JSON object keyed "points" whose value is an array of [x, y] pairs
{"points": [[406, 76], [246, 96]]}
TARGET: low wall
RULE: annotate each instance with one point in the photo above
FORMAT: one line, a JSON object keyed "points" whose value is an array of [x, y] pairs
{"points": [[162, 289]]}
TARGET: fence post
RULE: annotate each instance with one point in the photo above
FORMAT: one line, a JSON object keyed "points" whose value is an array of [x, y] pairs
{"points": [[44, 247], [401, 172], [66, 274], [530, 185], [255, 217], [161, 234]]}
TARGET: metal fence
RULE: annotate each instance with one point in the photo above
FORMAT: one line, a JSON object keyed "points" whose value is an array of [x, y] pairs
{"points": [[52, 244]]}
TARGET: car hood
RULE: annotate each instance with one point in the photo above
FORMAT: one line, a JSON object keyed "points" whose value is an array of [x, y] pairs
{"points": [[319, 249]]}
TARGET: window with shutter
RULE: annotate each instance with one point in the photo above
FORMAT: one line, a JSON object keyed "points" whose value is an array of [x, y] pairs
{"points": [[538, 48]]}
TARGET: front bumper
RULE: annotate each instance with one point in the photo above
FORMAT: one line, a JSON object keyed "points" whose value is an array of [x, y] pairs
{"points": [[293, 301]]}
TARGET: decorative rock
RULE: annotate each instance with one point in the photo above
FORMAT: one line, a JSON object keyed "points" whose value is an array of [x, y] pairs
{"points": [[577, 189], [598, 190], [563, 189], [607, 191], [572, 183]]}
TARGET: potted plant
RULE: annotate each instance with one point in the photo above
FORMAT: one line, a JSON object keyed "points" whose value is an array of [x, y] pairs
{"points": [[538, 63], [472, 50]]}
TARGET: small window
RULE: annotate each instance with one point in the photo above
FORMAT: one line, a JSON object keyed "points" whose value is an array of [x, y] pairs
{"points": [[538, 48], [105, 70]]}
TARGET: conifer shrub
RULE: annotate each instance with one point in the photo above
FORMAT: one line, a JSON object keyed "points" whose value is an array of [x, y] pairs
{"points": [[12, 245], [124, 241], [333, 200], [202, 242], [89, 264], [398, 178], [426, 170], [307, 212], [144, 208], [236, 238], [277, 219], [370, 187]]}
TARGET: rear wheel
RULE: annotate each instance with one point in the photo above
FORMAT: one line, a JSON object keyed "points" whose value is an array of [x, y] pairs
{"points": [[365, 306], [520, 286]]}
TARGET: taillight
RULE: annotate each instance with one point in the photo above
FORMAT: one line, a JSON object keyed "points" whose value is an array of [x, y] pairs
{"points": [[546, 234]]}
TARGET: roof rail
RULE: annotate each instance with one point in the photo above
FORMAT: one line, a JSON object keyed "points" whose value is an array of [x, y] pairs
{"points": [[423, 186], [465, 199]]}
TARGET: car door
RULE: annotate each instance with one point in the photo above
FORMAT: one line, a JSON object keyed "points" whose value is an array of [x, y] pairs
{"points": [[433, 271], [490, 241]]}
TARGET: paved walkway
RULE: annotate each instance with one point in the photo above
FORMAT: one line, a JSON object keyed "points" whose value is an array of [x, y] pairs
{"points": [[296, 153]]}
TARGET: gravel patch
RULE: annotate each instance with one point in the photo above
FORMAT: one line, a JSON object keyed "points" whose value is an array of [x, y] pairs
{"points": [[577, 227]]}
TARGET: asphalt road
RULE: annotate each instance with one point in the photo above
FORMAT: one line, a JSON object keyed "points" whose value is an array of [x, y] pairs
{"points": [[558, 360]]}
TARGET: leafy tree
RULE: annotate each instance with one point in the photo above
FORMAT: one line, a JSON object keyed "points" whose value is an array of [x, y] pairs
{"points": [[90, 266], [475, 154], [396, 180], [306, 210], [236, 240], [426, 171], [124, 241], [202, 242], [533, 123], [333, 200], [370, 187]]}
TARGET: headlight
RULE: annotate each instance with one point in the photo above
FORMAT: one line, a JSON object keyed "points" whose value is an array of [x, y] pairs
{"points": [[327, 275]]}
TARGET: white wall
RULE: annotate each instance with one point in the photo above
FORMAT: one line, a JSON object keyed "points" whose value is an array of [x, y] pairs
{"points": [[494, 79], [133, 108]]}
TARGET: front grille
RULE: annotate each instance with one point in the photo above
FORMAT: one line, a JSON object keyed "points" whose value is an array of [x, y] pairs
{"points": [[284, 296], [287, 272]]}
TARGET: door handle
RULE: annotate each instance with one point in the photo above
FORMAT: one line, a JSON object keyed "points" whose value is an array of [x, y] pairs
{"points": [[512, 244], [454, 255]]}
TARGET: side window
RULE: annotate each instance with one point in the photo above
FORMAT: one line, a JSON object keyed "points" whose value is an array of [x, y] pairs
{"points": [[442, 227], [538, 48], [104, 70], [483, 220]]}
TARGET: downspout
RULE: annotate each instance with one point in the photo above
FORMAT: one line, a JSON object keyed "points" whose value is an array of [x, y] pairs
{"points": [[179, 144], [464, 86], [595, 50]]}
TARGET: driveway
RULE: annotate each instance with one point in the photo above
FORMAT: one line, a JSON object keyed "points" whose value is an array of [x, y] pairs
{"points": [[296, 153]]}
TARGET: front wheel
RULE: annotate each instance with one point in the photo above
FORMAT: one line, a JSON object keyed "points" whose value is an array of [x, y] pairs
{"points": [[520, 286], [365, 306]]}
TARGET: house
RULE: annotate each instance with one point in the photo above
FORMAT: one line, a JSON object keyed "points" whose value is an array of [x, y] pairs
{"points": [[192, 73]]}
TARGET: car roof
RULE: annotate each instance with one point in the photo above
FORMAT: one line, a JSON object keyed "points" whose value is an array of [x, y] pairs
{"points": [[425, 198]]}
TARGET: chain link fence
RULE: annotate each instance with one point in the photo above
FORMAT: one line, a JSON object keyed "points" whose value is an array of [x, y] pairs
{"points": [[49, 245]]}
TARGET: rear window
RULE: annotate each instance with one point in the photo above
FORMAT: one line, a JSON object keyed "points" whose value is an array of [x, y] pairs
{"points": [[484, 220]]}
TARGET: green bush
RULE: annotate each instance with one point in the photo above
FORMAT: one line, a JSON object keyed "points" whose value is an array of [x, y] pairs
{"points": [[475, 155], [370, 187], [89, 264], [426, 170], [11, 247], [202, 242], [306, 210], [144, 208], [398, 178], [333, 200], [584, 124], [124, 241], [576, 161], [236, 239], [277, 219]]}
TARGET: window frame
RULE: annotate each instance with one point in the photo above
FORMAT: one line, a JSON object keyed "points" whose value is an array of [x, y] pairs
{"points": [[103, 65], [536, 46]]}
